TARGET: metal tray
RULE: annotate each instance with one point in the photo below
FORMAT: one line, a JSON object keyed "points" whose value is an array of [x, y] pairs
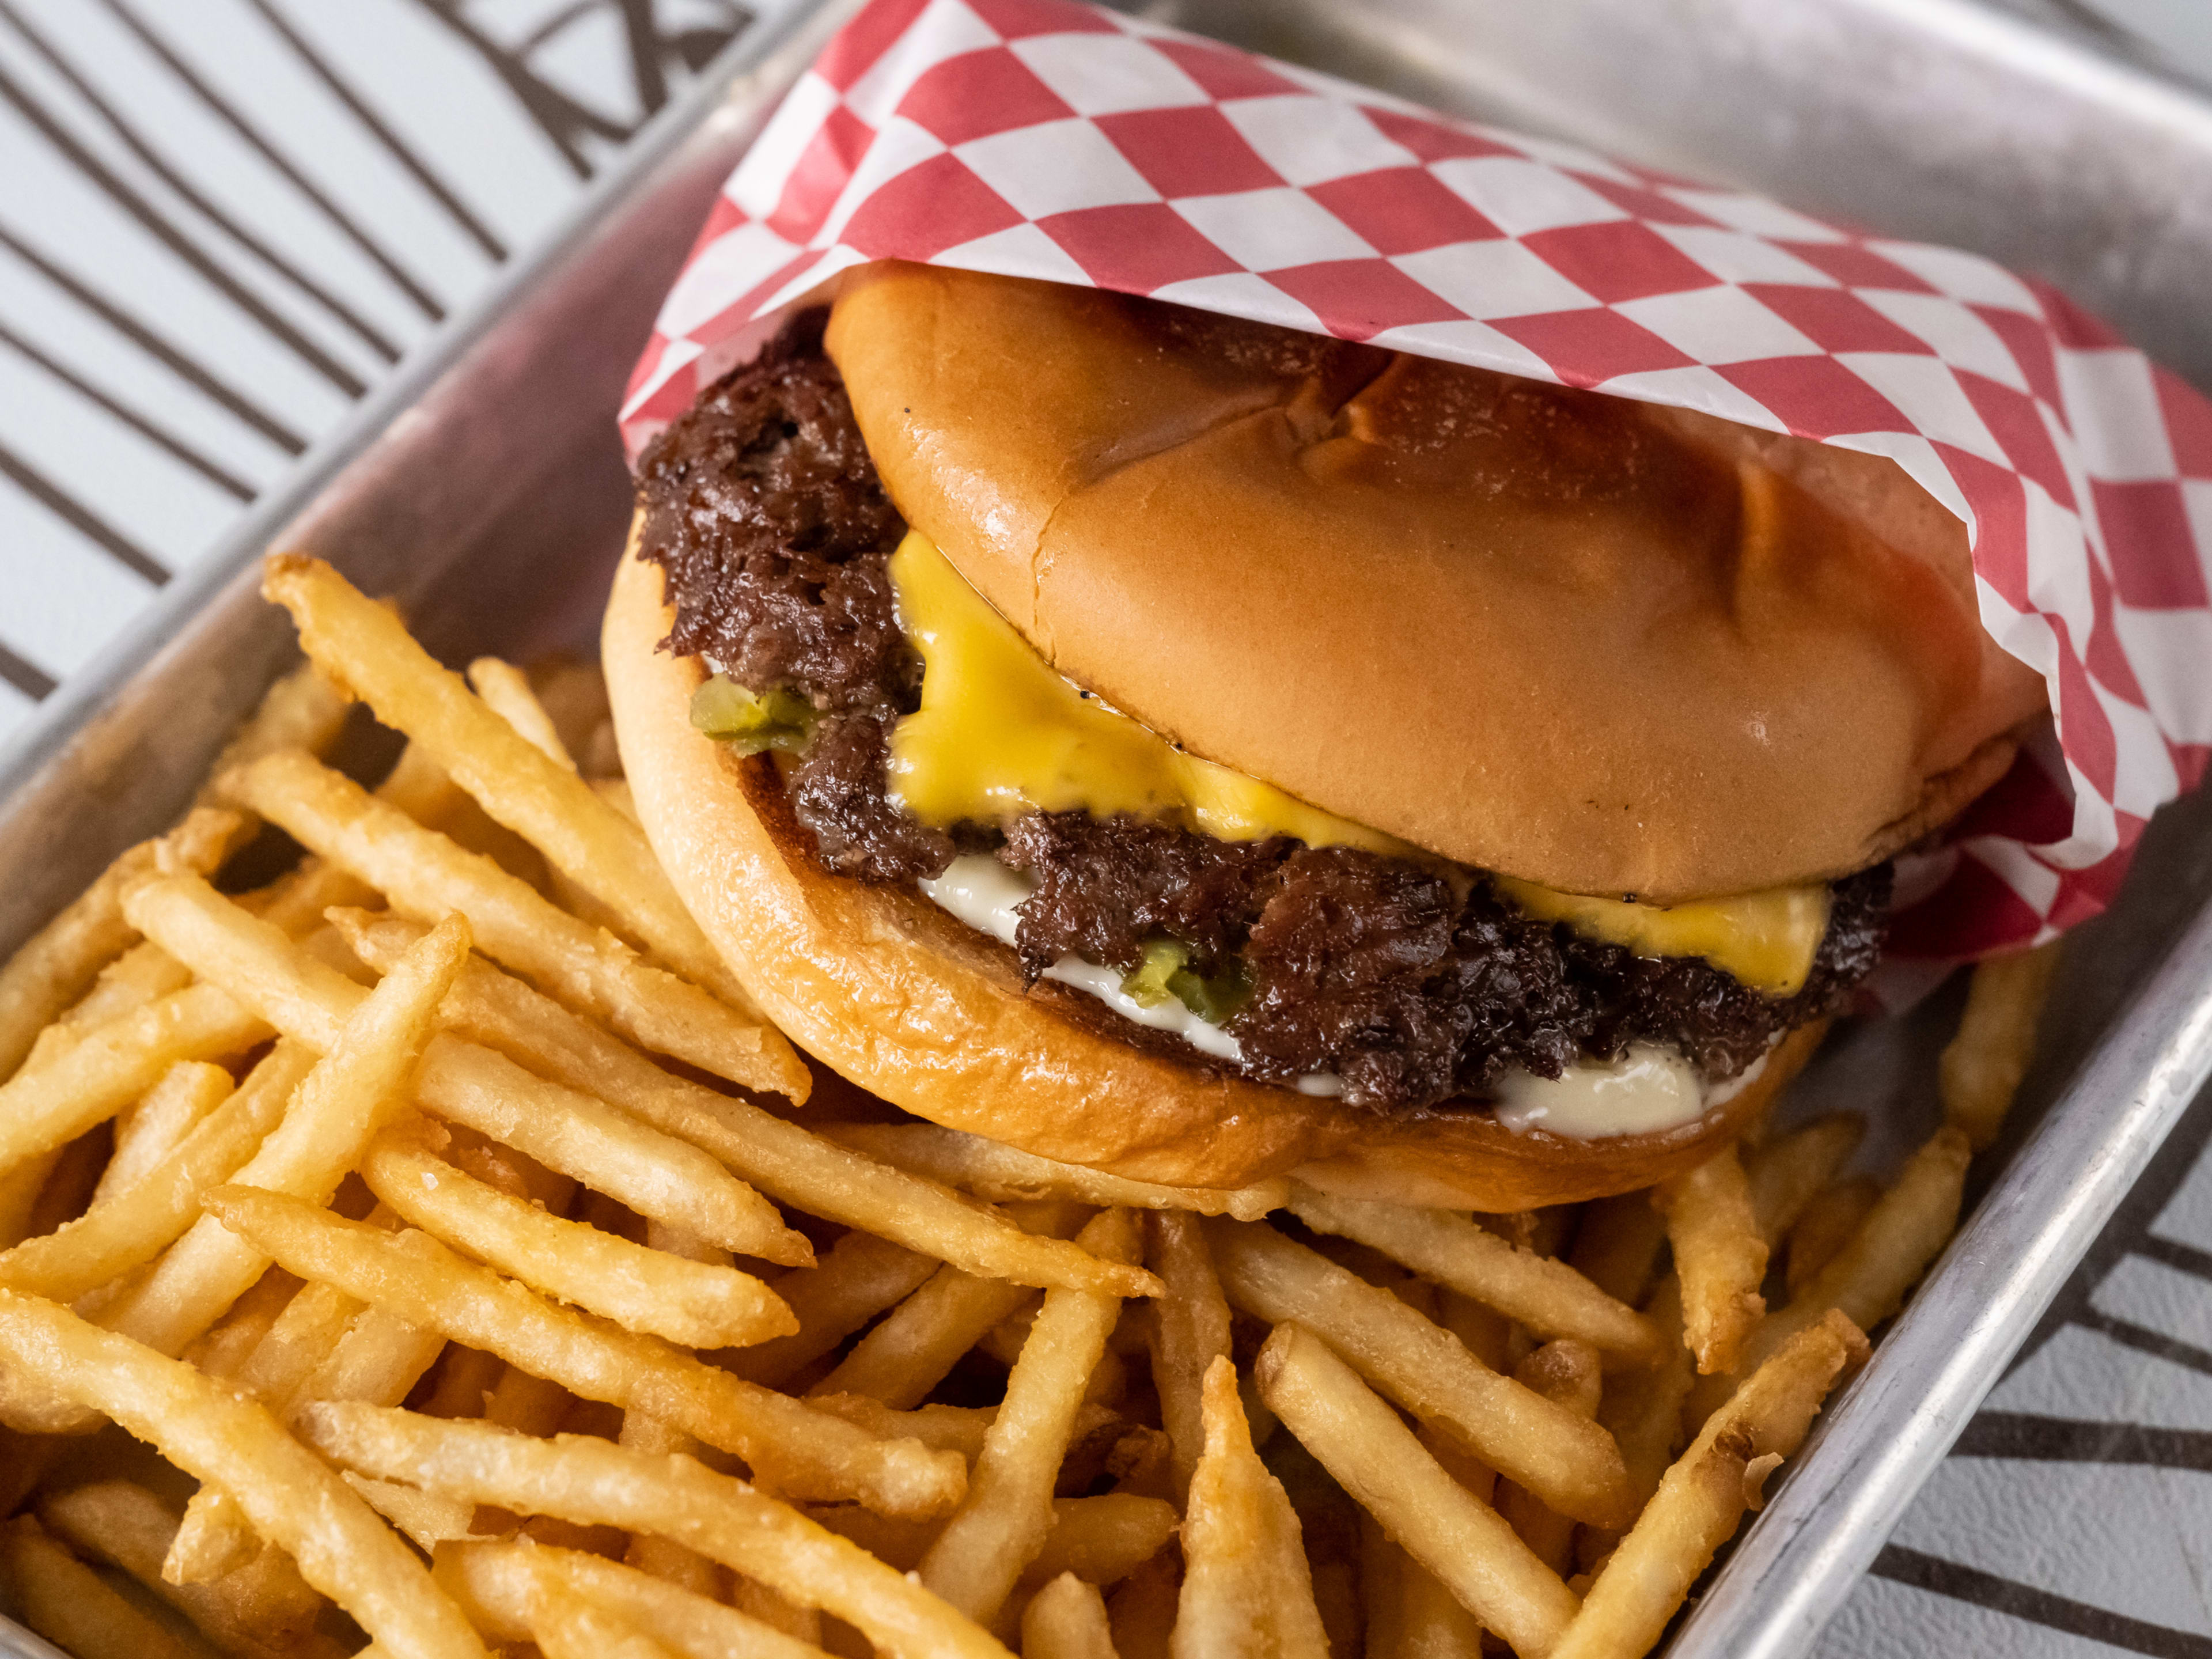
{"points": [[484, 486]]}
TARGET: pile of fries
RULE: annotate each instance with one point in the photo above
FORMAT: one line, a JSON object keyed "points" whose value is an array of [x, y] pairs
{"points": [[420, 1251]]}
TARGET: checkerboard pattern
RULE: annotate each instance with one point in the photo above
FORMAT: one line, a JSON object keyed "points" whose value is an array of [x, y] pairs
{"points": [[1044, 139]]}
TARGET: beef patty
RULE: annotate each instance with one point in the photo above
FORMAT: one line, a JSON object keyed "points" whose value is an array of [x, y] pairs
{"points": [[1416, 986]]}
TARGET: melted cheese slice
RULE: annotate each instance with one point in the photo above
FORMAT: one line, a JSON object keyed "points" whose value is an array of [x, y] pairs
{"points": [[999, 733]]}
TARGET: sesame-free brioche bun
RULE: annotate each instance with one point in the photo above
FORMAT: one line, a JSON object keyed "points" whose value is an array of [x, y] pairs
{"points": [[1608, 647], [898, 997]]}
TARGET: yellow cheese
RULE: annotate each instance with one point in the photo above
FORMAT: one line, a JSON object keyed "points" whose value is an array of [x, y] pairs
{"points": [[1767, 939], [999, 733]]}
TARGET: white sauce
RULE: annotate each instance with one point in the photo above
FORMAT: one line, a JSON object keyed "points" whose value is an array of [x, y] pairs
{"points": [[1645, 1089], [986, 894]]}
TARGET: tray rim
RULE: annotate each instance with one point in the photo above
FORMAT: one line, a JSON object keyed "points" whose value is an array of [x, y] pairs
{"points": [[1790, 1571]]}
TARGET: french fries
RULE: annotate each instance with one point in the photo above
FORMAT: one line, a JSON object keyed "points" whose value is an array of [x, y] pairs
{"points": [[998, 1530], [563, 1127], [860, 1277], [591, 1481], [501, 1585], [359, 1083], [802, 1451], [1545, 1295], [1066, 1619], [991, 1170], [1981, 1069], [1246, 1587], [804, 1170], [649, 1292], [1376, 1458], [72, 1606], [354, 1163], [112, 1238], [1565, 1459], [292, 1498], [425, 876], [59, 962], [364, 647], [1720, 1256], [1189, 1330], [1702, 1497]]}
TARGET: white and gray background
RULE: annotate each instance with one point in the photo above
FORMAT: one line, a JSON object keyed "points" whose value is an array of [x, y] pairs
{"points": [[223, 220]]}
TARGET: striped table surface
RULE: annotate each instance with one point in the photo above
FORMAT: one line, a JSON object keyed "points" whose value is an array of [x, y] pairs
{"points": [[224, 220]]}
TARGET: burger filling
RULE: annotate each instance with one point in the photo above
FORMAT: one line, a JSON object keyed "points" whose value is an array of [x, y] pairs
{"points": [[922, 742]]}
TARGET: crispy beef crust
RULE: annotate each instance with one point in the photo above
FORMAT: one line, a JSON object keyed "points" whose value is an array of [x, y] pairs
{"points": [[1416, 985]]}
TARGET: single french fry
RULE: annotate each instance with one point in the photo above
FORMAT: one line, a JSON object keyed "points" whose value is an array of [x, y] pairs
{"points": [[507, 692], [1066, 1619], [1642, 1411], [994, 1171], [359, 1083], [425, 876], [1100, 1539], [1719, 1256], [567, 1626], [1245, 1589], [1001, 1525], [500, 1584], [143, 974], [859, 1277], [1568, 1461], [1565, 1372], [1827, 1224], [591, 1481], [1785, 1173], [1982, 1067], [156, 1126], [1376, 1458], [1617, 1245], [1702, 1497], [111, 1066], [365, 647], [1905, 1231], [1543, 1293], [1104, 1539], [941, 1428], [428, 1519], [801, 1168], [58, 963], [1188, 1330], [567, 1129], [293, 1498], [909, 1354], [56, 1594], [113, 1237], [799, 1449], [1429, 1621], [649, 1292]]}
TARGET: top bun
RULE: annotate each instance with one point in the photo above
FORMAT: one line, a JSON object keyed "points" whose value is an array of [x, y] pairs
{"points": [[1596, 644]]}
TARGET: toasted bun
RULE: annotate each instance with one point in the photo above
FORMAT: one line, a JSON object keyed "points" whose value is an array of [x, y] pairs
{"points": [[1606, 648], [897, 996]]}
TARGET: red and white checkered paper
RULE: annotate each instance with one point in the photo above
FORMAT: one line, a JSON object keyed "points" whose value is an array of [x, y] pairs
{"points": [[1045, 139]]}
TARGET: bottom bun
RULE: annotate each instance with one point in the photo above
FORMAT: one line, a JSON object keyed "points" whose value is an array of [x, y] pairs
{"points": [[905, 1001]]}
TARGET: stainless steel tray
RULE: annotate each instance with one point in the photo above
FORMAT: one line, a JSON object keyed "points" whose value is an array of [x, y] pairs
{"points": [[485, 487]]}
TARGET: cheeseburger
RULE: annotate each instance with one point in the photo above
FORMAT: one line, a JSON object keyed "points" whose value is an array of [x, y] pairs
{"points": [[1200, 749]]}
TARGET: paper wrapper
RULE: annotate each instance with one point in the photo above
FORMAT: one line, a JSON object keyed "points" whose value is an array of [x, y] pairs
{"points": [[1044, 139]]}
